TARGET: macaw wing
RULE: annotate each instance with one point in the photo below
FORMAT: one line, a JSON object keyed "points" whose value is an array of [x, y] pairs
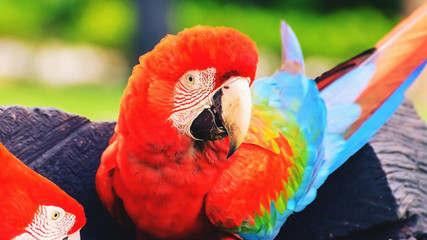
{"points": [[269, 177], [282, 164]]}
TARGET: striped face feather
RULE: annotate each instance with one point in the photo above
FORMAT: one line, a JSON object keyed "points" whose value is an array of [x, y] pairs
{"points": [[191, 96], [50, 223]]}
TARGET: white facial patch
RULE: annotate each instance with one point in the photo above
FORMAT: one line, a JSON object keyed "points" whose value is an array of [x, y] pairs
{"points": [[192, 96], [49, 223]]}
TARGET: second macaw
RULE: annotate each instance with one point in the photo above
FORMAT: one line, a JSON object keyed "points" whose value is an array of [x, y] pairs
{"points": [[202, 151], [34, 208]]}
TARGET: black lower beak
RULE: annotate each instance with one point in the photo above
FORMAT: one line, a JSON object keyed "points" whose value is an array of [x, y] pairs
{"points": [[229, 115], [208, 125]]}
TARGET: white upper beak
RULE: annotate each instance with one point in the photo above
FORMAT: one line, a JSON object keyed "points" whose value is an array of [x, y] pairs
{"points": [[236, 107]]}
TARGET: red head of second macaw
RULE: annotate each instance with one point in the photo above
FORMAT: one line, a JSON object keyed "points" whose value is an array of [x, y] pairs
{"points": [[32, 207]]}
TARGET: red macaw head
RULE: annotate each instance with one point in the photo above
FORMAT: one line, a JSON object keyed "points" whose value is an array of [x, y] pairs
{"points": [[32, 207], [191, 87]]}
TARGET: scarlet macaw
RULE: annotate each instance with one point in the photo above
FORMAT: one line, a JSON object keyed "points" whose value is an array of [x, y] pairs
{"points": [[202, 150], [34, 208]]}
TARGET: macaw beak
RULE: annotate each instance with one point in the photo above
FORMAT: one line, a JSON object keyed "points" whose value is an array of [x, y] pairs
{"points": [[229, 114], [74, 236]]}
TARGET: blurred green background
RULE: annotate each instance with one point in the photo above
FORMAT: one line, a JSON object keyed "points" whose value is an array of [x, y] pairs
{"points": [[77, 55]]}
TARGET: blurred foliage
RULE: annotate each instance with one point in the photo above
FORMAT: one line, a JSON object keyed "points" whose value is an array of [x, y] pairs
{"points": [[96, 102], [332, 28], [340, 34], [329, 28], [107, 23], [323, 6]]}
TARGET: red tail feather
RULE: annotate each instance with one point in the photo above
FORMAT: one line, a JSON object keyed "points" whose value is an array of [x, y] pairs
{"points": [[395, 57], [398, 54]]}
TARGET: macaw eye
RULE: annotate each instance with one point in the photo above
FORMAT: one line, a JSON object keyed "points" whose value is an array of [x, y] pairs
{"points": [[55, 215], [190, 79]]}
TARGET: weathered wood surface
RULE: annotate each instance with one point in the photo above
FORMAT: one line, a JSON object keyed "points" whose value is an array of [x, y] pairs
{"points": [[66, 149], [380, 193]]}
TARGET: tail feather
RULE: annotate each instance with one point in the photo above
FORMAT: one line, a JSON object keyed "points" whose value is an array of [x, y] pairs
{"points": [[371, 86], [362, 93], [398, 55], [365, 131]]}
